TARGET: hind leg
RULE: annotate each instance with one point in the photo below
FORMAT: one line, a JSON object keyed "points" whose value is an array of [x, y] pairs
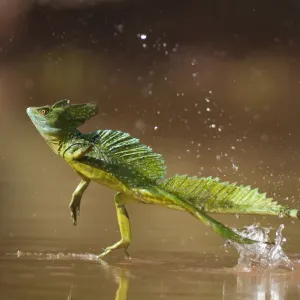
{"points": [[124, 225]]}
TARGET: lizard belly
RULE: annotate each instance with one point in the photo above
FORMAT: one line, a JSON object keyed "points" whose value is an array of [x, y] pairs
{"points": [[155, 196], [98, 175]]}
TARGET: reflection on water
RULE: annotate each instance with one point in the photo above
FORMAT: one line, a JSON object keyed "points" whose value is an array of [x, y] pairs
{"points": [[121, 277], [266, 285], [189, 276]]}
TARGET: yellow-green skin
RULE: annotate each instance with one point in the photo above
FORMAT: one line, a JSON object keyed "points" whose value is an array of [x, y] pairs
{"points": [[115, 160]]}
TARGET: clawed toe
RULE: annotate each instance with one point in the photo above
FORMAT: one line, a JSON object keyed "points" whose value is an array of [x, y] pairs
{"points": [[116, 246], [75, 212]]}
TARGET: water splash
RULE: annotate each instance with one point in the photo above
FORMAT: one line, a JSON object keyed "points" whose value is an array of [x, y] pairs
{"points": [[262, 254], [55, 256]]}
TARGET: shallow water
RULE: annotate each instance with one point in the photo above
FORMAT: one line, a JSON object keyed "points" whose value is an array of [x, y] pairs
{"points": [[147, 275], [152, 274]]}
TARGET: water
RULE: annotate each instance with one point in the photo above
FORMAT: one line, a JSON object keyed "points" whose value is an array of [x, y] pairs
{"points": [[154, 275], [265, 254], [260, 272]]}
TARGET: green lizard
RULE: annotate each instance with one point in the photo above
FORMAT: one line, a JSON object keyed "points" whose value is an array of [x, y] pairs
{"points": [[120, 162]]}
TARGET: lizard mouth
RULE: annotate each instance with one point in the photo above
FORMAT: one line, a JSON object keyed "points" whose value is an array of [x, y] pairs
{"points": [[31, 114], [41, 124], [28, 110]]}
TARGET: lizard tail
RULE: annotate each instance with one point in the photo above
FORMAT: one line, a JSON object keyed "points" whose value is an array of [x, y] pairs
{"points": [[213, 196], [201, 195], [293, 213]]}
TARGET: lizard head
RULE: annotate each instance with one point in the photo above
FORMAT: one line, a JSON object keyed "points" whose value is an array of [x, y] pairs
{"points": [[60, 116]]}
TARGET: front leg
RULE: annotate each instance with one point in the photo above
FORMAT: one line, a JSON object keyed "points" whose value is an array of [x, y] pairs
{"points": [[124, 225], [81, 152], [76, 199]]}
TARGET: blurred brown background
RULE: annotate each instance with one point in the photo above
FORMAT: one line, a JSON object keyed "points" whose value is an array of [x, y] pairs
{"points": [[212, 85]]}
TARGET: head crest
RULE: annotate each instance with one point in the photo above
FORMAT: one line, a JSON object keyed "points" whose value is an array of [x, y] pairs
{"points": [[61, 103]]}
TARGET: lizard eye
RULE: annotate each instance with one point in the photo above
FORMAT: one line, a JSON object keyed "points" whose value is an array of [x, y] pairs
{"points": [[44, 111]]}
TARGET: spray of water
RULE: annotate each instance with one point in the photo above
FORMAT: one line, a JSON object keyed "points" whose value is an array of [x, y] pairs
{"points": [[55, 256], [261, 254]]}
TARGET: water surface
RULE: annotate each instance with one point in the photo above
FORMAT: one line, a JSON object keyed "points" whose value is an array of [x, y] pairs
{"points": [[147, 275]]}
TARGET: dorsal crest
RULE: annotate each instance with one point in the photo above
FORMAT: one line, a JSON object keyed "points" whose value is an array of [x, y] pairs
{"points": [[120, 147]]}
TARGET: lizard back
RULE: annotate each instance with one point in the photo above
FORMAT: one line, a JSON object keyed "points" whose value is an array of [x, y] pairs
{"points": [[125, 157]]}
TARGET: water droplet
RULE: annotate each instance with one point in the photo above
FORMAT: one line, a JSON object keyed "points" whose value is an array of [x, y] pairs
{"points": [[235, 167], [142, 36], [120, 28], [194, 62], [140, 125]]}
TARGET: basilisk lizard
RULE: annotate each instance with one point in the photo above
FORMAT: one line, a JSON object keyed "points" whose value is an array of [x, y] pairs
{"points": [[117, 160]]}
